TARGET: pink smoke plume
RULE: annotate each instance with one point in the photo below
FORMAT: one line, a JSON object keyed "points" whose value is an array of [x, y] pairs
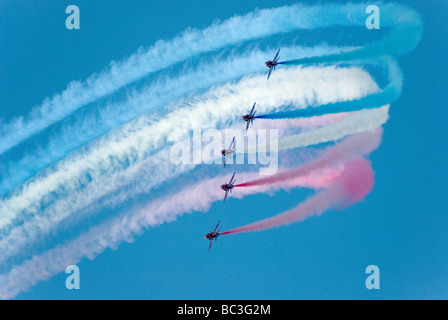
{"points": [[351, 148], [353, 185]]}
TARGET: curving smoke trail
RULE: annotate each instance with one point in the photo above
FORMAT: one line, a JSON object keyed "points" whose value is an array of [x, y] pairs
{"points": [[386, 96], [149, 171], [351, 147], [403, 38], [353, 185], [360, 121], [125, 227], [81, 128], [193, 42], [137, 140], [193, 197], [338, 9]]}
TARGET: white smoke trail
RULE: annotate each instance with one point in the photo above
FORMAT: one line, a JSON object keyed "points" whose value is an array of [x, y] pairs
{"points": [[295, 87], [90, 125], [125, 227], [364, 120], [255, 25], [104, 162]]}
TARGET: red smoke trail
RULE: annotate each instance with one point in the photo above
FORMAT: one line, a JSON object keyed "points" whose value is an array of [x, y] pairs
{"points": [[353, 185], [349, 149]]}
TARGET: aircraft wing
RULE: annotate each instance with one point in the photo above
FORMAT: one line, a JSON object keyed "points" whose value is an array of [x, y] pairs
{"points": [[232, 146], [225, 196], [210, 245], [253, 107], [230, 182], [276, 55], [216, 226], [269, 74]]}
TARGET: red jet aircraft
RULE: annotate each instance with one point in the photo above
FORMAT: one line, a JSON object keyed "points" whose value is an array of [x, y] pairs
{"points": [[271, 64], [249, 118], [228, 152], [228, 186], [212, 235]]}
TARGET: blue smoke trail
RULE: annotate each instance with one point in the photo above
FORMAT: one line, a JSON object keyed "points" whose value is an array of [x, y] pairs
{"points": [[94, 124], [403, 38], [192, 42]]}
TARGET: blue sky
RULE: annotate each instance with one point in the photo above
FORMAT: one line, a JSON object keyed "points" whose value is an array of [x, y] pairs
{"points": [[400, 226]]}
